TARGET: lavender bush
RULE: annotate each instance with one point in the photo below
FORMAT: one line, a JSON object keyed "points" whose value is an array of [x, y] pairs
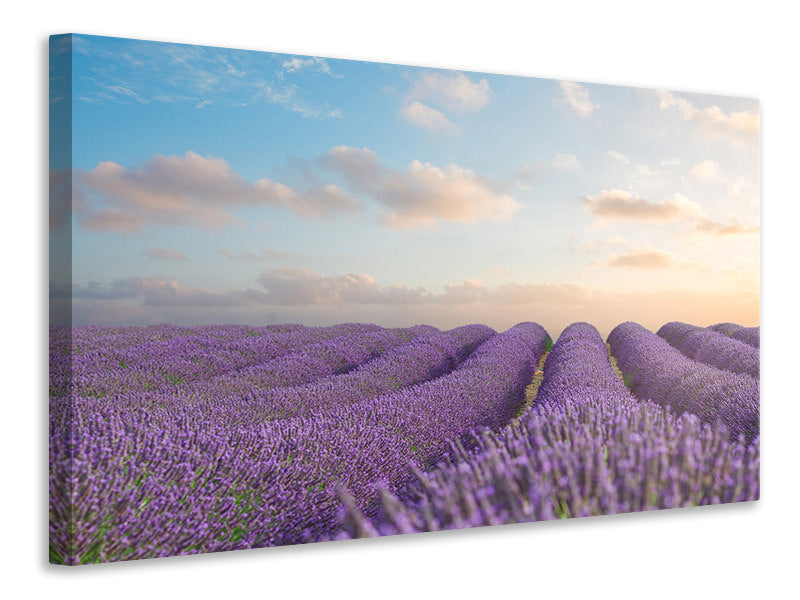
{"points": [[712, 348], [658, 372], [587, 447], [139, 475], [167, 440], [727, 328], [748, 335]]}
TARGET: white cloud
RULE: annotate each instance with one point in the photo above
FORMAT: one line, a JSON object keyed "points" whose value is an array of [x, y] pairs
{"points": [[742, 188], [565, 163], [734, 227], [194, 190], [264, 255], [428, 118], [302, 287], [619, 157], [707, 171], [456, 93], [316, 299], [559, 164], [578, 98], [644, 257], [613, 241], [144, 72], [298, 63], [621, 205], [422, 194], [713, 121], [165, 254]]}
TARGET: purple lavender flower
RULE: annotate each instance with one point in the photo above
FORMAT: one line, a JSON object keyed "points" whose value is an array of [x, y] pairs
{"points": [[587, 447]]}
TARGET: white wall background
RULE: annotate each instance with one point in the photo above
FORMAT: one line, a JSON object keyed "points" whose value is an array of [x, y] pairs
{"points": [[728, 551]]}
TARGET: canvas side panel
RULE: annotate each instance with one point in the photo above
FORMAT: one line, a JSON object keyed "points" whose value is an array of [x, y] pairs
{"points": [[61, 459]]}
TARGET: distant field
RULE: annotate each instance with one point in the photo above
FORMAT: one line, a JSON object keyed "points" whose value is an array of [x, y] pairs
{"points": [[169, 440]]}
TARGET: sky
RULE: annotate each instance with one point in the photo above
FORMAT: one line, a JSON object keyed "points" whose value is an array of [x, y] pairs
{"points": [[205, 185]]}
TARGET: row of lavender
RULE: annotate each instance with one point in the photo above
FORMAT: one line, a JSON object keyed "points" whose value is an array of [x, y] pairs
{"points": [[713, 347], [175, 358], [586, 447], [661, 373], [748, 335], [140, 472]]}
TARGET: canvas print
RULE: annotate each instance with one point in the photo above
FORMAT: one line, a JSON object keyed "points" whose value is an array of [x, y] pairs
{"points": [[297, 299]]}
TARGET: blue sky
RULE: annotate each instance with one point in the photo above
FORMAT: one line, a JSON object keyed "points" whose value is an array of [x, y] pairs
{"points": [[214, 185]]}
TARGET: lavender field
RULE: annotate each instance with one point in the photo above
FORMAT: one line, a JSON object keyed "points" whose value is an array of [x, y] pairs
{"points": [[170, 440]]}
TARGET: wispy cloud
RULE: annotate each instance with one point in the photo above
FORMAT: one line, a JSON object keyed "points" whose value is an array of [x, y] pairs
{"points": [[133, 71], [613, 241], [577, 97], [307, 63], [624, 206], [723, 230], [557, 165], [204, 191], [456, 93], [617, 205], [159, 291], [712, 121], [304, 296], [301, 287], [290, 286], [644, 257], [264, 255], [708, 171], [618, 157], [422, 194], [428, 118], [159, 253], [453, 93], [193, 190]]}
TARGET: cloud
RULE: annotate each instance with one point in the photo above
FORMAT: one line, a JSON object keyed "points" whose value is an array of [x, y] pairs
{"points": [[301, 287], [613, 241], [621, 205], [516, 293], [644, 257], [190, 190], [264, 255], [126, 71], [643, 178], [157, 291], [197, 191], [428, 118], [712, 121], [707, 172], [298, 63], [722, 230], [467, 292], [422, 194], [329, 299], [742, 188], [558, 165], [165, 254], [565, 163], [619, 157], [578, 98], [456, 93]]}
